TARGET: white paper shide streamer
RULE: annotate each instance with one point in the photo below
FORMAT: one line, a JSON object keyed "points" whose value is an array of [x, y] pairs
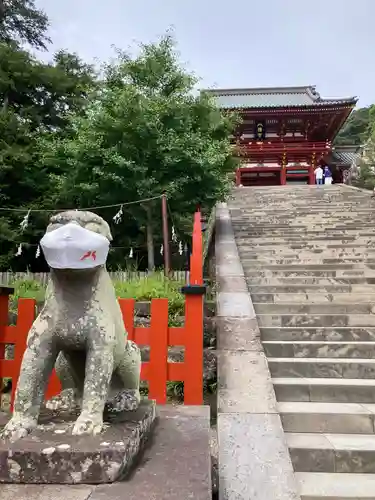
{"points": [[25, 221], [118, 217], [174, 236], [19, 250]]}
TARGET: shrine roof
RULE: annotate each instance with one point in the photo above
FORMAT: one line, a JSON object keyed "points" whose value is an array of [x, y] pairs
{"points": [[274, 97], [345, 155]]}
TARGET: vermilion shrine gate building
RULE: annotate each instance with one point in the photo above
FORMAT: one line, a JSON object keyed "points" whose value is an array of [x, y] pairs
{"points": [[286, 132]]}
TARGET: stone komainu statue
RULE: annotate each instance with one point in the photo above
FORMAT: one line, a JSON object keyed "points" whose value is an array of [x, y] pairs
{"points": [[80, 331]]}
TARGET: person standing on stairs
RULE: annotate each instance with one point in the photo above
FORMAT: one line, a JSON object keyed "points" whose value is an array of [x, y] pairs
{"points": [[327, 175], [318, 175]]}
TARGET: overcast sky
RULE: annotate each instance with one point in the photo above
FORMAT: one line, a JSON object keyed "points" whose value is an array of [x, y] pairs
{"points": [[241, 43]]}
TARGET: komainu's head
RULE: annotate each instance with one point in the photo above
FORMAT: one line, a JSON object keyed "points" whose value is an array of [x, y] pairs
{"points": [[87, 220], [76, 241]]}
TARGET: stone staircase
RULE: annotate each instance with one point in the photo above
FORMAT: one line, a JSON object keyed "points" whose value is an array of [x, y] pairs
{"points": [[308, 254]]}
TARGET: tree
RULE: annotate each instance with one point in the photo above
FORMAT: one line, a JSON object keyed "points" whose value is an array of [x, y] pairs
{"points": [[35, 102], [357, 129], [43, 94], [145, 133], [365, 177], [21, 21]]}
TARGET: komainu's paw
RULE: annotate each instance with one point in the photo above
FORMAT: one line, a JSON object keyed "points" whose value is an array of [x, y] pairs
{"points": [[87, 424], [65, 401], [17, 428], [125, 400]]}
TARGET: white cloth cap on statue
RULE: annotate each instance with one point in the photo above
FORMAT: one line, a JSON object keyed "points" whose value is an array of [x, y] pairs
{"points": [[74, 247]]}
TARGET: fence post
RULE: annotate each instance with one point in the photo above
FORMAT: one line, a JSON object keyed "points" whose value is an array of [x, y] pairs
{"points": [[158, 364], [194, 296], [5, 291], [25, 319]]}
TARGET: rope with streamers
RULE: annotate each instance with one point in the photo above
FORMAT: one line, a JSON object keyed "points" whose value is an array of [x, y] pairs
{"points": [[117, 218], [48, 210]]}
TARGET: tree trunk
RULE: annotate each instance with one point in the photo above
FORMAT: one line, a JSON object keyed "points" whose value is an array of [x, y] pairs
{"points": [[150, 242]]}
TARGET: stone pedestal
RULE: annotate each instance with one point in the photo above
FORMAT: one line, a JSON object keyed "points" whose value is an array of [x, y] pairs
{"points": [[51, 454]]}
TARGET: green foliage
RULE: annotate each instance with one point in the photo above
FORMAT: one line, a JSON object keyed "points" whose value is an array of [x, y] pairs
{"points": [[142, 289], [69, 138], [28, 289], [145, 132], [357, 129], [35, 101], [175, 390], [21, 21], [366, 175], [153, 287]]}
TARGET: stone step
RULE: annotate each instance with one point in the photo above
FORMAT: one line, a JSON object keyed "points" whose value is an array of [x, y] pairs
{"points": [[297, 201], [322, 368], [271, 206], [311, 289], [302, 240], [340, 453], [298, 207], [303, 223], [335, 418], [318, 334], [331, 486], [310, 262], [331, 308], [316, 320], [318, 273], [282, 255], [328, 232], [314, 298], [258, 219], [303, 246], [316, 349], [307, 229], [295, 223], [298, 216], [308, 280], [268, 224], [309, 269], [280, 228], [325, 390], [309, 202], [262, 245], [306, 265]]}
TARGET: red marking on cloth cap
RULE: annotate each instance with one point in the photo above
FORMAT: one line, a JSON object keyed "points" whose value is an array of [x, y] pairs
{"points": [[88, 254]]}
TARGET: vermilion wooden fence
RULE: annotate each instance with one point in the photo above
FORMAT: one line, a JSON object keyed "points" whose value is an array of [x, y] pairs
{"points": [[158, 337]]}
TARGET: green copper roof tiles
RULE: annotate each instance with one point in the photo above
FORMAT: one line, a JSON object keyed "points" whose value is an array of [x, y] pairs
{"points": [[273, 98]]}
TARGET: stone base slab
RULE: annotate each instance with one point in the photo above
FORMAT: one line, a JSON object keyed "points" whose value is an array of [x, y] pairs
{"points": [[174, 466], [52, 455]]}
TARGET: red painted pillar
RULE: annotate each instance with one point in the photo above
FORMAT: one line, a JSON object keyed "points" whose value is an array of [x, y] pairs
{"points": [[4, 307], [238, 176], [283, 176], [311, 174]]}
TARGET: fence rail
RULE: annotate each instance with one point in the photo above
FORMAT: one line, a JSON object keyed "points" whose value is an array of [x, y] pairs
{"points": [[9, 278]]}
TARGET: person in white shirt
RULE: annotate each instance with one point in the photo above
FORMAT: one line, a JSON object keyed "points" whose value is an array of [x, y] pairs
{"points": [[318, 175]]}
